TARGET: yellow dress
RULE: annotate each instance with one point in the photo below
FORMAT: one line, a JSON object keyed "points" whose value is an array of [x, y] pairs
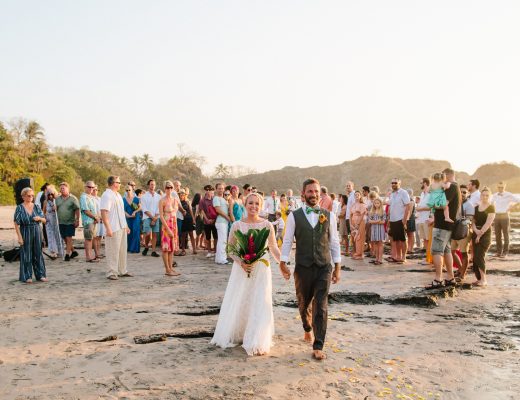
{"points": [[284, 209]]}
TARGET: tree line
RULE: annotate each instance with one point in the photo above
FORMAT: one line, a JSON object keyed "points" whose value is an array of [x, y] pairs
{"points": [[24, 152]]}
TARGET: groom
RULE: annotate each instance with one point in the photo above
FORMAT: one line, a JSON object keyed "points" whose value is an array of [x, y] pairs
{"points": [[317, 246]]}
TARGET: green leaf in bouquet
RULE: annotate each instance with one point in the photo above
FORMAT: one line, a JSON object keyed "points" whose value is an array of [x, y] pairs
{"points": [[241, 241], [261, 239]]}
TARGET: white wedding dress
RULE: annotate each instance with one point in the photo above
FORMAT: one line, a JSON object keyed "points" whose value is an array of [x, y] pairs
{"points": [[246, 315]]}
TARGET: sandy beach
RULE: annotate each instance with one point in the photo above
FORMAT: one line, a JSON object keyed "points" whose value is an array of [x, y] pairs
{"points": [[464, 346]]}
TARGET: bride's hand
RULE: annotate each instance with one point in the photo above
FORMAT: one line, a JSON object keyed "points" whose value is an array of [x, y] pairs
{"points": [[248, 268]]}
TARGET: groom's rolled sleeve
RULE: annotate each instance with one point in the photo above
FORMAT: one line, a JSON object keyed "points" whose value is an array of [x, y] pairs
{"points": [[335, 249], [288, 238]]}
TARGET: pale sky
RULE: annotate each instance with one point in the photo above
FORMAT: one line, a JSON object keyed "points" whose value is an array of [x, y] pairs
{"points": [[268, 83]]}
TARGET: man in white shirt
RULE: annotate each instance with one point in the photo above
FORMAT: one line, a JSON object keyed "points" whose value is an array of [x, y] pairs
{"points": [[503, 202], [113, 217], [474, 192], [316, 250], [399, 210], [221, 205], [271, 206], [336, 207], [294, 203], [150, 207]]}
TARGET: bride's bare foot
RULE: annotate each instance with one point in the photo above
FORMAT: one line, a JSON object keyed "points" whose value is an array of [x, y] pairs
{"points": [[319, 355], [307, 336]]}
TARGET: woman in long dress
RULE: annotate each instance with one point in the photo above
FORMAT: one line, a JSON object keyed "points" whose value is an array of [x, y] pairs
{"points": [[54, 241], [133, 220], [358, 212], [27, 219], [246, 315]]}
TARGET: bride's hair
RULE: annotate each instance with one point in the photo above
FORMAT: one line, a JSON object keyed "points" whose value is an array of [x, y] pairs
{"points": [[260, 199]]}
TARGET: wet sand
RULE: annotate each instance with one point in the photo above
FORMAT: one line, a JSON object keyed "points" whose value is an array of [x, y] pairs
{"points": [[465, 347]]}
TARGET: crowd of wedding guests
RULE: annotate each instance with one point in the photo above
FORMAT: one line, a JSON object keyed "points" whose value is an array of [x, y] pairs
{"points": [[170, 221]]}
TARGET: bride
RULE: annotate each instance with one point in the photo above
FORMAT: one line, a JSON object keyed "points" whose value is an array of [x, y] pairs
{"points": [[246, 314]]}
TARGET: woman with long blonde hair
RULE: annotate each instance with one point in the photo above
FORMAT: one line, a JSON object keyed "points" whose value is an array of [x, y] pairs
{"points": [[168, 207], [246, 315]]}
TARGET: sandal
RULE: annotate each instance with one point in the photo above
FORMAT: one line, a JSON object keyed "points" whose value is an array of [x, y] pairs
{"points": [[450, 282], [435, 285], [93, 260]]}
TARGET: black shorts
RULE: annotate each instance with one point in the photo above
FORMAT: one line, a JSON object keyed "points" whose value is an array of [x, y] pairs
{"points": [[210, 229], [397, 231], [67, 230]]}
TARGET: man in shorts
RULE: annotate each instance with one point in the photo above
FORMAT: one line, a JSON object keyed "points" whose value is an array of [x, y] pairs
{"points": [[150, 207], [89, 219], [399, 210], [441, 235], [463, 244], [68, 217]]}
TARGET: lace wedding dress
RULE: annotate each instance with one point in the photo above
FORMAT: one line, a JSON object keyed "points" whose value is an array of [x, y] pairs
{"points": [[246, 315]]}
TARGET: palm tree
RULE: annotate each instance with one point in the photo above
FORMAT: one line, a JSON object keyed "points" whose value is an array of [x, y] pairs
{"points": [[33, 133], [222, 171], [146, 163]]}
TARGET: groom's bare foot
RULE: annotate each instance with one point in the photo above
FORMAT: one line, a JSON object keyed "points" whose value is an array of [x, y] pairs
{"points": [[319, 355], [307, 336]]}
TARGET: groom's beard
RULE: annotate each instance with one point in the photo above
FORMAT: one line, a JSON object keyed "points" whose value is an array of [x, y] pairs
{"points": [[311, 200]]}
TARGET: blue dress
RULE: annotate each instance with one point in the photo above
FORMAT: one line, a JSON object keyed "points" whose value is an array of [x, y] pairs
{"points": [[134, 224], [31, 256]]}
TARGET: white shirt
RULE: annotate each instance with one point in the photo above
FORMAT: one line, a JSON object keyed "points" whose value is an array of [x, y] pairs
{"points": [[474, 198], [279, 224], [113, 203], [336, 207], [38, 198], [179, 214], [503, 200], [313, 220], [422, 216], [150, 203], [398, 202], [294, 203], [350, 202], [271, 206]]}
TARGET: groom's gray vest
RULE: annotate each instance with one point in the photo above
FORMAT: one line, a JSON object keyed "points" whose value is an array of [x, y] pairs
{"points": [[312, 244]]}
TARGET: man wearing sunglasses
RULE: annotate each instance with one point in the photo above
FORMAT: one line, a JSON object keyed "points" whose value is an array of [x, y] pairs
{"points": [[463, 244], [399, 210], [113, 216], [89, 219]]}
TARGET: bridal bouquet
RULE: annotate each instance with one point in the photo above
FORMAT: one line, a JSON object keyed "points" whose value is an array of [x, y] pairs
{"points": [[250, 246]]}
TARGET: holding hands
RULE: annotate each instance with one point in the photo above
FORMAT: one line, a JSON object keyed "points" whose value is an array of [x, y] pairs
{"points": [[286, 272]]}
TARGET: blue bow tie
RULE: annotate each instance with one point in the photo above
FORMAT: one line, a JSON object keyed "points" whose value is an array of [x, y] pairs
{"points": [[308, 210]]}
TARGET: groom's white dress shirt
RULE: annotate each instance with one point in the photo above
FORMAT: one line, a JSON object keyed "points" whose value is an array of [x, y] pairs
{"points": [[312, 217]]}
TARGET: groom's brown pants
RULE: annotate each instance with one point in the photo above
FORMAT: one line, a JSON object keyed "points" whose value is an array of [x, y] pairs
{"points": [[312, 290]]}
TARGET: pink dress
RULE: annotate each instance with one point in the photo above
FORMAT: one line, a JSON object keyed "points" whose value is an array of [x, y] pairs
{"points": [[170, 244]]}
